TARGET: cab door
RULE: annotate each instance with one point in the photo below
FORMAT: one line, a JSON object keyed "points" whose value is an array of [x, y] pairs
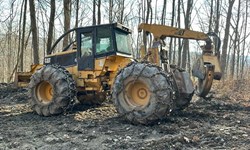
{"points": [[85, 38]]}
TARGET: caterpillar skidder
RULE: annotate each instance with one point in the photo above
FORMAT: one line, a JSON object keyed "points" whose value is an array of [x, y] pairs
{"points": [[99, 63]]}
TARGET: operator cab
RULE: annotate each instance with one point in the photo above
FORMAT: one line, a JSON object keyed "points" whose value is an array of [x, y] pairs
{"points": [[101, 41], [92, 42]]}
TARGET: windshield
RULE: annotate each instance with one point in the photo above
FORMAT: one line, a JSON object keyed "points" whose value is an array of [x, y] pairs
{"points": [[123, 42]]}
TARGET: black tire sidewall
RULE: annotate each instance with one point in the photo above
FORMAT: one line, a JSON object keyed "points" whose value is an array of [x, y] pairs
{"points": [[53, 74], [160, 103]]}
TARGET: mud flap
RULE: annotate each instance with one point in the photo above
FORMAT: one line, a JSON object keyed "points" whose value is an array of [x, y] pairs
{"points": [[184, 83], [198, 69], [185, 89]]}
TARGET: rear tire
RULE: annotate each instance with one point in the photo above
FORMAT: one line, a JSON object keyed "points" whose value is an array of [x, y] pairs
{"points": [[142, 93], [52, 88]]}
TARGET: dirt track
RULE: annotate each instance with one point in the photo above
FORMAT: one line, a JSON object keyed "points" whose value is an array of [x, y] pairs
{"points": [[214, 123]]}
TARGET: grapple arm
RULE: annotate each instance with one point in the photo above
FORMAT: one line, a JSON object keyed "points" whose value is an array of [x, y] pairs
{"points": [[163, 31]]}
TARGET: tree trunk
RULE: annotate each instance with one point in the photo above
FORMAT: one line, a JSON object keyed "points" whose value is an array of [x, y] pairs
{"points": [[148, 10], [229, 52], [121, 9], [179, 26], [211, 16], [163, 15], [67, 12], [217, 24], [23, 35], [34, 32], [111, 11], [99, 12], [51, 25], [225, 41], [236, 44], [146, 21], [77, 13], [9, 40], [94, 17], [244, 42], [171, 39], [186, 41]]}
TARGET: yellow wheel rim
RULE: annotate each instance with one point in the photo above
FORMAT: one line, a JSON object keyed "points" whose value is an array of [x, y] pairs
{"points": [[44, 92], [137, 94]]}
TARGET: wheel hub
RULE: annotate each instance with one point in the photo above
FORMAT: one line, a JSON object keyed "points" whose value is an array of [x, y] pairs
{"points": [[142, 93], [137, 94], [44, 92]]}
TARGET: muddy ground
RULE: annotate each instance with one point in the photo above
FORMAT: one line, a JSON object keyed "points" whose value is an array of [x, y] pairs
{"points": [[212, 123]]}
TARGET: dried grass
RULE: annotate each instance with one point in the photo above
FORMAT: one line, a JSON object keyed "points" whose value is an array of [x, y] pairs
{"points": [[237, 90]]}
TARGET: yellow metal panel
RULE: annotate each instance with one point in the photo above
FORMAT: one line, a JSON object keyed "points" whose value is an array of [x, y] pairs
{"points": [[114, 63], [33, 68], [72, 70], [162, 31], [213, 60], [80, 82], [99, 63], [22, 84]]}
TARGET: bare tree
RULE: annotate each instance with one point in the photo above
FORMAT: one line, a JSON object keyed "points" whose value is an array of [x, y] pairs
{"points": [[235, 42], [171, 39], [94, 17], [77, 13], [227, 31], [111, 4], [217, 24], [19, 41], [9, 38], [185, 52], [163, 15], [119, 13], [67, 14], [179, 26], [99, 12], [244, 42], [23, 35], [149, 14], [211, 16], [33, 26], [51, 25]]}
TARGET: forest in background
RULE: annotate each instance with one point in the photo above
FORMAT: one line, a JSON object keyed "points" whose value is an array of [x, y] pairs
{"points": [[30, 27]]}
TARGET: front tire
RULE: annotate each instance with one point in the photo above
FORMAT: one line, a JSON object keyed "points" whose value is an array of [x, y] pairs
{"points": [[142, 93], [52, 88]]}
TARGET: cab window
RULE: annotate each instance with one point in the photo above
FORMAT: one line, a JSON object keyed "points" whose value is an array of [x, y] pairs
{"points": [[86, 44], [104, 40], [123, 42]]}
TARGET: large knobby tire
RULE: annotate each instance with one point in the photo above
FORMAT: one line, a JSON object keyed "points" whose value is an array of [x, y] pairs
{"points": [[52, 89], [142, 93]]}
